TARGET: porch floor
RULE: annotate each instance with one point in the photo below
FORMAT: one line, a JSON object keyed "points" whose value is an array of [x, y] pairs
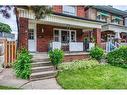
{"points": [[45, 54]]}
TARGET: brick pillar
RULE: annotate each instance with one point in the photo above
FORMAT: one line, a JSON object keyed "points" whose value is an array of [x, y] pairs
{"points": [[97, 34], [23, 33], [80, 11]]}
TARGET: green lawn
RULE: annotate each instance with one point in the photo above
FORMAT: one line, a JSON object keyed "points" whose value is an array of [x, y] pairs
{"points": [[99, 77], [6, 88]]}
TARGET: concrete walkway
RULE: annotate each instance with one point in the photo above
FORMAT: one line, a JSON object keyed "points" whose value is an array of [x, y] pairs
{"points": [[7, 78]]}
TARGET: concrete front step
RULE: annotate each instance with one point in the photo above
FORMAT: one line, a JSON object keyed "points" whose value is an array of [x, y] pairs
{"points": [[40, 59], [43, 75], [40, 64], [42, 69]]}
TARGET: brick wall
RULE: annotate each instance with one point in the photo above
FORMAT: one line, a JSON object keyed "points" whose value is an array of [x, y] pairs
{"points": [[23, 32], [80, 11], [97, 35], [57, 8], [69, 58], [44, 38]]}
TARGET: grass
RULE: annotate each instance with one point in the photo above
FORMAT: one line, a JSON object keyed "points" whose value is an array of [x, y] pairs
{"points": [[6, 88], [99, 77]]}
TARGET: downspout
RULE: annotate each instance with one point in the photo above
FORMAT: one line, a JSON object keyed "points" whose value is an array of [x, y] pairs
{"points": [[17, 20]]}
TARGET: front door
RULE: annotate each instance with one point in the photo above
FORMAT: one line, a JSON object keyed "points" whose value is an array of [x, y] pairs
{"points": [[31, 38]]}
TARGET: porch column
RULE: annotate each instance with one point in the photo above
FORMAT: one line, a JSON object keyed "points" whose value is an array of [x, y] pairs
{"points": [[97, 34], [23, 33]]}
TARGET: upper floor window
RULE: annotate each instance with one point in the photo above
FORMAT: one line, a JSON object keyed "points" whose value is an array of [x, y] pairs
{"points": [[116, 19], [102, 16], [71, 10]]}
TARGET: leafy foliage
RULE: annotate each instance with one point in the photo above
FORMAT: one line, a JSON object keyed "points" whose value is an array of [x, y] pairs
{"points": [[4, 10], [85, 64], [22, 66], [118, 56], [41, 11], [56, 56], [5, 28], [96, 53]]}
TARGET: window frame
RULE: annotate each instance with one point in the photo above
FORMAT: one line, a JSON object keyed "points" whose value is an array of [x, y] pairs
{"points": [[68, 12]]}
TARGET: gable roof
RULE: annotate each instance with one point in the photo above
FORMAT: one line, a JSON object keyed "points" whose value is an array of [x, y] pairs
{"points": [[110, 9]]}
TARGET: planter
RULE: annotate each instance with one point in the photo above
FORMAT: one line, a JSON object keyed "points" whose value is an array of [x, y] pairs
{"points": [[91, 45]]}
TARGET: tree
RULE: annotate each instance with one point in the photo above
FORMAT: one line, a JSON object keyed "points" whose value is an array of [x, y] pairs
{"points": [[4, 10], [5, 28]]}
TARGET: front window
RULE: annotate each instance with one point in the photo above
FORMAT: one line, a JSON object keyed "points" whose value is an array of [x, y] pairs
{"points": [[116, 21], [73, 36], [70, 10], [101, 18], [30, 34], [56, 35]]}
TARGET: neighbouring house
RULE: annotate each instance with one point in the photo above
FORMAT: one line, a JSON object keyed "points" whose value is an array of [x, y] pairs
{"points": [[72, 29]]}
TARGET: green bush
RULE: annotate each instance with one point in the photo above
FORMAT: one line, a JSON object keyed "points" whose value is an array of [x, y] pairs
{"points": [[78, 64], [118, 56], [22, 66], [96, 53], [56, 56]]}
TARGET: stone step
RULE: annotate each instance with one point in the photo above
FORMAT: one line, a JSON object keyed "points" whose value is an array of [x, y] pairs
{"points": [[42, 69], [43, 75], [40, 64], [39, 59]]}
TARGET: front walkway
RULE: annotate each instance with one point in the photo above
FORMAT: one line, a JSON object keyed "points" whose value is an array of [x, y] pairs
{"points": [[7, 78]]}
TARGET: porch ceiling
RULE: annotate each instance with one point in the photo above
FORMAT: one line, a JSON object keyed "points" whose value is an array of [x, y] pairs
{"points": [[115, 28]]}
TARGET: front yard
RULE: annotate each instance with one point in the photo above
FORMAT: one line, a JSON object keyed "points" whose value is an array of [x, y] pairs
{"points": [[96, 77], [7, 88]]}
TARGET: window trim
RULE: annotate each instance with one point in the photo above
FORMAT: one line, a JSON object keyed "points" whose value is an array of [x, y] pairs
{"points": [[75, 14]]}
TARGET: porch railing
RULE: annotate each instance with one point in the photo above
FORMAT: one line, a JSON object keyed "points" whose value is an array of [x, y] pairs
{"points": [[73, 46]]}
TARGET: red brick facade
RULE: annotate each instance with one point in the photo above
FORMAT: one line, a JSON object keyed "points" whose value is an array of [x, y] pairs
{"points": [[97, 34], [68, 58], [44, 38], [23, 32], [57, 8], [80, 11]]}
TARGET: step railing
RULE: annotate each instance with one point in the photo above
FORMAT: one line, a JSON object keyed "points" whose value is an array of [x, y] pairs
{"points": [[111, 46]]}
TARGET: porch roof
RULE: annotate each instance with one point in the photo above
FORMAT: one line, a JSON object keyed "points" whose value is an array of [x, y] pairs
{"points": [[62, 19], [113, 27]]}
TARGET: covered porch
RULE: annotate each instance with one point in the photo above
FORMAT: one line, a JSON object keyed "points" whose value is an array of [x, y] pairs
{"points": [[70, 35], [113, 36]]}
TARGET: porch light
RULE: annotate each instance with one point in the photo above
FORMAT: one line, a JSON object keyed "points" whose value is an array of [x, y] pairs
{"points": [[42, 30]]}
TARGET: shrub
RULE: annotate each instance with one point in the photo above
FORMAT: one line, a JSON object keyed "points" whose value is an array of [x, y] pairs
{"points": [[22, 66], [96, 53], [56, 56], [118, 56], [78, 64]]}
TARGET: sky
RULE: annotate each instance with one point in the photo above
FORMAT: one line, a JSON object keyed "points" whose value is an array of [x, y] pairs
{"points": [[12, 21]]}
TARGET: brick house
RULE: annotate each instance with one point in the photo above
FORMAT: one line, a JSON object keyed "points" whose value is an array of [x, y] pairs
{"points": [[68, 26]]}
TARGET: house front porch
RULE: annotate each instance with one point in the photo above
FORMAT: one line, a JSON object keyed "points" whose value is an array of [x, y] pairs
{"points": [[69, 38]]}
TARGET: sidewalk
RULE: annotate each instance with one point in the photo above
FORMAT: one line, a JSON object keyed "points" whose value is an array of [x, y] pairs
{"points": [[7, 78]]}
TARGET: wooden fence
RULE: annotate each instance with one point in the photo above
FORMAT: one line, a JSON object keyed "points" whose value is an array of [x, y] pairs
{"points": [[9, 51]]}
